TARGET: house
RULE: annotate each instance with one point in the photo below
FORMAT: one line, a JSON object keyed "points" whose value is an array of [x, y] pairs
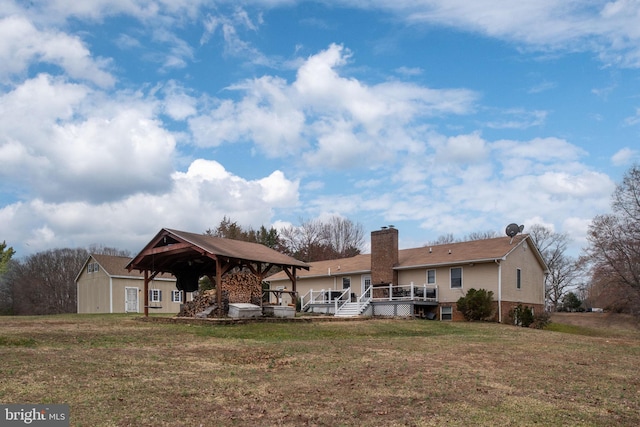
{"points": [[105, 285], [425, 281]]}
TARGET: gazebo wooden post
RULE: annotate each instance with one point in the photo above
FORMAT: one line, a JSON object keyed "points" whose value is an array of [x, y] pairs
{"points": [[219, 286], [294, 295], [146, 293]]}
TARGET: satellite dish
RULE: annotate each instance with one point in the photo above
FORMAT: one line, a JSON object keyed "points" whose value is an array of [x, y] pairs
{"points": [[513, 229]]}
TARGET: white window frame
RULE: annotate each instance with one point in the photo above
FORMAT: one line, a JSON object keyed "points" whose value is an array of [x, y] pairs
{"points": [[346, 279], [434, 276], [176, 296], [443, 314], [155, 295], [451, 278]]}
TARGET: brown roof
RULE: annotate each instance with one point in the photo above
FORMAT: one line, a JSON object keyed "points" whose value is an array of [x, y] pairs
{"points": [[171, 248], [476, 251], [117, 266], [238, 249], [462, 252]]}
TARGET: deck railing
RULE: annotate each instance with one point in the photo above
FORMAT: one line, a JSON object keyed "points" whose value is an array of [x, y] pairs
{"points": [[323, 296], [409, 292], [365, 298], [344, 298]]}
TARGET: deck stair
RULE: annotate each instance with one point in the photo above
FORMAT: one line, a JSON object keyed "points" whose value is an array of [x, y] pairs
{"points": [[352, 309]]}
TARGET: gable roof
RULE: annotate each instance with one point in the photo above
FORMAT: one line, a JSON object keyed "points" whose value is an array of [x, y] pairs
{"points": [[475, 251], [171, 247], [116, 266]]}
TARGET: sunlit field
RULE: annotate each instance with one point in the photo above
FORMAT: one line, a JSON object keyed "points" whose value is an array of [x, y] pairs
{"points": [[117, 370]]}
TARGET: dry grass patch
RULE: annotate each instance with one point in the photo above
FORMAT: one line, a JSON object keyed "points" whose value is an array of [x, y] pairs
{"points": [[118, 371]]}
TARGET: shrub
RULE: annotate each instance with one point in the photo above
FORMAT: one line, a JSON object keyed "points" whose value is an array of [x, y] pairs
{"points": [[476, 304], [541, 320], [521, 316]]}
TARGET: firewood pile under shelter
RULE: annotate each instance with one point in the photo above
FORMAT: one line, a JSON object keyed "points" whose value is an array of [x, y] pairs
{"points": [[190, 256]]}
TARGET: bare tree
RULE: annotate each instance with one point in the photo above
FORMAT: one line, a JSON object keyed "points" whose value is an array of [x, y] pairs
{"points": [[614, 245], [316, 240], [564, 271], [442, 240], [345, 237], [482, 235], [44, 282], [106, 250]]}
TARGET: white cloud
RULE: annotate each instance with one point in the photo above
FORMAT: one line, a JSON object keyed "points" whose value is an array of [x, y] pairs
{"points": [[65, 141], [633, 120], [625, 156], [178, 104], [610, 29], [339, 121], [21, 45], [518, 119], [464, 149], [196, 201]]}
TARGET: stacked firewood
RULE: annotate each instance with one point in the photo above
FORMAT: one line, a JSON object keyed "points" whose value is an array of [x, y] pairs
{"points": [[242, 287], [236, 287]]}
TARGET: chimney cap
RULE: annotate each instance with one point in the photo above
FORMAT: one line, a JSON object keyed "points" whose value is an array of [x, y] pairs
{"points": [[391, 226], [384, 227]]}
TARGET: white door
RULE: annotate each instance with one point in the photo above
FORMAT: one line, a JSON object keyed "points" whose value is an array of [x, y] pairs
{"points": [[366, 282], [131, 300]]}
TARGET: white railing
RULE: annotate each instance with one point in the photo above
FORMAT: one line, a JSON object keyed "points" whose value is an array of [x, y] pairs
{"points": [[323, 296], [365, 298], [409, 292], [344, 298], [389, 292]]}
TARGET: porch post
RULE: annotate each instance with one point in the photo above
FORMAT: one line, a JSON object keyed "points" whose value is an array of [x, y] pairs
{"points": [[219, 287], [146, 293]]}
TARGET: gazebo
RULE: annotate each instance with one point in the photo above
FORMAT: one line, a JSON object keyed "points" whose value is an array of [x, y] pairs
{"points": [[189, 256]]}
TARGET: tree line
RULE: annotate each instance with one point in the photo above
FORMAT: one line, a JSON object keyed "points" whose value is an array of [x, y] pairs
{"points": [[44, 283], [605, 275]]}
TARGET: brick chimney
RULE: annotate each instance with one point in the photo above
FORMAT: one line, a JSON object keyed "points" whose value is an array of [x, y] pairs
{"points": [[384, 255]]}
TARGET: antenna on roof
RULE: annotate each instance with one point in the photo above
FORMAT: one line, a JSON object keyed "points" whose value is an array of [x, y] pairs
{"points": [[513, 229]]}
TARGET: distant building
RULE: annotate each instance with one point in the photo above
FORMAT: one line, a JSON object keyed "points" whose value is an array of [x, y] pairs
{"points": [[105, 285]]}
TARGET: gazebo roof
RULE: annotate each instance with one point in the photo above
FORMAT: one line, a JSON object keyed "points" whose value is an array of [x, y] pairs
{"points": [[172, 248]]}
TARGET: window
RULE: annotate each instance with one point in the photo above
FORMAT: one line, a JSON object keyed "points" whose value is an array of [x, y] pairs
{"points": [[446, 313], [176, 296], [431, 277], [518, 278], [346, 282], [90, 267], [456, 278], [96, 267], [155, 295]]}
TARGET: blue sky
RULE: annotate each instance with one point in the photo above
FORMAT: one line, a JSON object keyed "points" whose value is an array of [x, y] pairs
{"points": [[118, 118]]}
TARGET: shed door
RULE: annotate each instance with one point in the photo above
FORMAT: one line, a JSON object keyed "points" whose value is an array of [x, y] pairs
{"points": [[131, 300]]}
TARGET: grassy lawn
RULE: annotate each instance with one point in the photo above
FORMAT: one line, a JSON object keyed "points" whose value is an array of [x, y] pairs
{"points": [[115, 370]]}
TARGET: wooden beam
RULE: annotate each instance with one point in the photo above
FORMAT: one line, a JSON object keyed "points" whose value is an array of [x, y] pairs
{"points": [[219, 286], [146, 293]]}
